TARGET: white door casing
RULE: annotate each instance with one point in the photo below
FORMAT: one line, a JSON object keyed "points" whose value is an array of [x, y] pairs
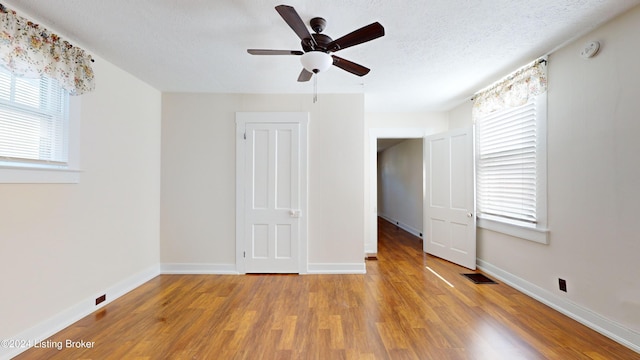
{"points": [[271, 192], [449, 207]]}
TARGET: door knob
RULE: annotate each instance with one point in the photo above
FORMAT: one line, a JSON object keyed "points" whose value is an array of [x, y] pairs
{"points": [[469, 214], [294, 213]]}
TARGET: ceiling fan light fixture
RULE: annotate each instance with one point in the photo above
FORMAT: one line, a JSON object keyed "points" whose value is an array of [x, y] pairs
{"points": [[316, 61]]}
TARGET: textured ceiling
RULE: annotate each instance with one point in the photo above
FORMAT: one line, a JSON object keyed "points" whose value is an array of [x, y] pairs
{"points": [[434, 55]]}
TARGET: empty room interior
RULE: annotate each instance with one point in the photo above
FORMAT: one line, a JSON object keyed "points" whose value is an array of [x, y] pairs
{"points": [[340, 164]]}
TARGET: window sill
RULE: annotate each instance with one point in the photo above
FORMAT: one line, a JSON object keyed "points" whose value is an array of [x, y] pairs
{"points": [[539, 235], [21, 175]]}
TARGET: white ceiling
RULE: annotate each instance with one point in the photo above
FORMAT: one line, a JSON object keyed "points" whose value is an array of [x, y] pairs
{"points": [[435, 54]]}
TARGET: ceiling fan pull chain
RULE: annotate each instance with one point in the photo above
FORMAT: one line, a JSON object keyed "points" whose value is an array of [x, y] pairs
{"points": [[315, 89]]}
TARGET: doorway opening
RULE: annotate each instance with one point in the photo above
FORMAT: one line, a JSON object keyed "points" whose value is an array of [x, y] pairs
{"points": [[388, 136], [400, 183]]}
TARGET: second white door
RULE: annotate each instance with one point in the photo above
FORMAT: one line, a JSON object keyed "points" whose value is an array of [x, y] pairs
{"points": [[449, 205]]}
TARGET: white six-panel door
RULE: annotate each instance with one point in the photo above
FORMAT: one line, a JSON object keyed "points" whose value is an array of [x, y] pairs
{"points": [[449, 206], [271, 195]]}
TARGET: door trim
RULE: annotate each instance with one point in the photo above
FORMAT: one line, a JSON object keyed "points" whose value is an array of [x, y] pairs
{"points": [[242, 119]]}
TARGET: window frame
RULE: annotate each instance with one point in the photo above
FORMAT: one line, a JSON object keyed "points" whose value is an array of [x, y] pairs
{"points": [[539, 231], [27, 172]]}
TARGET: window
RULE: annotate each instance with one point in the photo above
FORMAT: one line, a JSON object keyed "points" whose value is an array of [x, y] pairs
{"points": [[34, 127], [39, 122], [511, 168]]}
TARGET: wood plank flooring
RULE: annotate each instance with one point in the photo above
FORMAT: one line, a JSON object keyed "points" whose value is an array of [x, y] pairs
{"points": [[398, 310]]}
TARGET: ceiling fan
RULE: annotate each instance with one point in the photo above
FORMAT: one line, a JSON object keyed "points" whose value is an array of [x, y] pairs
{"points": [[317, 47]]}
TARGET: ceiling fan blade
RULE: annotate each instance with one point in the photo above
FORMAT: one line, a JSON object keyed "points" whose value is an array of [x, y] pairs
{"points": [[274, 52], [291, 17], [350, 66], [305, 75], [364, 34]]}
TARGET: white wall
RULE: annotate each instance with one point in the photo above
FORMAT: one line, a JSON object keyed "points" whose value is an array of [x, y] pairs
{"points": [[432, 121], [198, 177], [460, 116], [62, 245], [400, 183], [593, 177]]}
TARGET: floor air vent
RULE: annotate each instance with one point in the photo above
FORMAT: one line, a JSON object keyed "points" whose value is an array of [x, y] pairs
{"points": [[479, 278]]}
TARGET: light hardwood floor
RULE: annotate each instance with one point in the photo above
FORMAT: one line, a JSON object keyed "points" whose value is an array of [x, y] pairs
{"points": [[398, 310]]}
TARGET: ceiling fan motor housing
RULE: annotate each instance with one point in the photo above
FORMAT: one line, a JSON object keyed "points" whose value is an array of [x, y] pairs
{"points": [[322, 42]]}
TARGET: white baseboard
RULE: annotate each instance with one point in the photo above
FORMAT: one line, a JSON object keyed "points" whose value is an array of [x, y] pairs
{"points": [[403, 226], [342, 268], [196, 269], [230, 269], [597, 322], [51, 326]]}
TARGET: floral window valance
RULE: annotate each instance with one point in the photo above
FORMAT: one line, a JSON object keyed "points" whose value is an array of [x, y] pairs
{"points": [[29, 50], [513, 91]]}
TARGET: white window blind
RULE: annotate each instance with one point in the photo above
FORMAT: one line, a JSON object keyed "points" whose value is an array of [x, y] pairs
{"points": [[33, 121], [507, 164]]}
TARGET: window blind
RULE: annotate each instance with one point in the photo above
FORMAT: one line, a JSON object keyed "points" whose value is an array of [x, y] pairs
{"points": [[507, 163], [33, 120]]}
